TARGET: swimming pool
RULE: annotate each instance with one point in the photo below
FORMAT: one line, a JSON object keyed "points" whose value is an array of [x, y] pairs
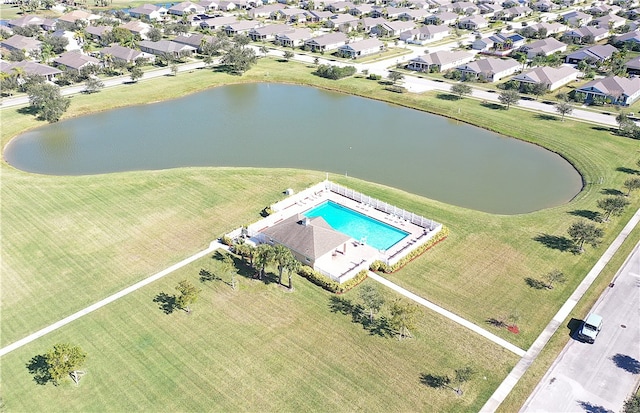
{"points": [[375, 233]]}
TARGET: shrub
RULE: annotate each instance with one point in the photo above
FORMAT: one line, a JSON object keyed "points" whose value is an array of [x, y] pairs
{"points": [[396, 89], [373, 76], [387, 269], [328, 284], [226, 240], [335, 72]]}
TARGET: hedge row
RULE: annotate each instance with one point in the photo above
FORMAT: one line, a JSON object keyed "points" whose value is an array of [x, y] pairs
{"points": [[388, 269], [330, 285]]}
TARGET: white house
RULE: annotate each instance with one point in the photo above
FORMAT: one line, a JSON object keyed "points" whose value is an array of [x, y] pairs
{"points": [[361, 48]]}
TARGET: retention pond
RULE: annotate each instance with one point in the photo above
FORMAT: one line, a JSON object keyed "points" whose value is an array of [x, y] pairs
{"points": [[272, 125]]}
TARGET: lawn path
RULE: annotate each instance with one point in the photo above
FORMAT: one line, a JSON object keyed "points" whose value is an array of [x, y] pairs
{"points": [[465, 323], [28, 339], [523, 365]]}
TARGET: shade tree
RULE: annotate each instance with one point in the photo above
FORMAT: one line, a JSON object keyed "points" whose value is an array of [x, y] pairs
{"points": [[563, 108], [583, 232], [631, 185], [509, 97], [188, 294], [372, 299], [612, 206], [461, 89]]}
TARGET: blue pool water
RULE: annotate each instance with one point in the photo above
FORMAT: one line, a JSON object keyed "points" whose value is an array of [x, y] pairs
{"points": [[358, 226]]}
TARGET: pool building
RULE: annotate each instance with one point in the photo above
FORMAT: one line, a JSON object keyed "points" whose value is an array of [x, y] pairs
{"points": [[339, 232]]}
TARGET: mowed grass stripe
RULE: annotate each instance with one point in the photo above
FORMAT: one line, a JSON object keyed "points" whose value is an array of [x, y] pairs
{"points": [[285, 345]]}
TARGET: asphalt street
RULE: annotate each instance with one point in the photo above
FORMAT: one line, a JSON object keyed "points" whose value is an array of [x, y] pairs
{"points": [[598, 377]]}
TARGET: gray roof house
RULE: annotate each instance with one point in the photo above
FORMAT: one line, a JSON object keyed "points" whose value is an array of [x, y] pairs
{"points": [[393, 28], [342, 22], [473, 22], [269, 32], [216, 23], [17, 42], [633, 37], [294, 38], [166, 47], [30, 68], [609, 21], [96, 32], [440, 61], [633, 66], [308, 239], [137, 27], [426, 34], [75, 60], [597, 53], [490, 69], [148, 11], [543, 47], [513, 13], [369, 23], [576, 18], [326, 42], [185, 8], [553, 77], [361, 48], [124, 54], [618, 90], [265, 11], [442, 18], [241, 26], [194, 40], [581, 34]]}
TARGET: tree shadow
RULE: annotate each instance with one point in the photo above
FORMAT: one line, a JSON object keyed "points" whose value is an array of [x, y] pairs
{"points": [[447, 96], [496, 323], [584, 213], [39, 368], [592, 408], [544, 116], [611, 191], [555, 242], [493, 106], [627, 363], [27, 110], [535, 284], [434, 381], [574, 325], [627, 170], [166, 302], [378, 327], [206, 276], [602, 129]]}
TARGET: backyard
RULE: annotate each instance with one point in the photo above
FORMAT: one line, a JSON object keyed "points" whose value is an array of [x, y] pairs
{"points": [[70, 241]]}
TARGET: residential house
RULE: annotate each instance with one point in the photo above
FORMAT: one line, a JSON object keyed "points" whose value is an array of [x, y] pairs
{"points": [[368, 23], [592, 54], [361, 48], [137, 28], [228, 6], [75, 60], [499, 44], [73, 42], [609, 21], [265, 11], [425, 34], [18, 42], [342, 22], [440, 61], [213, 5], [326, 42], [543, 47], [291, 15], [553, 77], [392, 28], [465, 8], [489, 9], [148, 12], [633, 66], [340, 6], [194, 39], [473, 22], [448, 18], [317, 16], [576, 18], [309, 239], [78, 15], [240, 27], [414, 15], [586, 34], [97, 32], [166, 47], [603, 9], [185, 8], [544, 6], [268, 33], [631, 38], [30, 69], [363, 9], [389, 12], [124, 54], [216, 23], [616, 90], [548, 28], [294, 38], [31, 20], [489, 69], [513, 13]]}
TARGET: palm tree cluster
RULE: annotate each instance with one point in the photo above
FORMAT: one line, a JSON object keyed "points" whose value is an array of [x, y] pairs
{"points": [[263, 255]]}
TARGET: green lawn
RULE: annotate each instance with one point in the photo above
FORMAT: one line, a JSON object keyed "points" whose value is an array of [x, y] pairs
{"points": [[70, 241], [260, 347]]}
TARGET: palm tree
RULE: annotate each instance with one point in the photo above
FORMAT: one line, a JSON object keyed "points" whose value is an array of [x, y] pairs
{"points": [[282, 256], [264, 50], [264, 255], [293, 266], [46, 53]]}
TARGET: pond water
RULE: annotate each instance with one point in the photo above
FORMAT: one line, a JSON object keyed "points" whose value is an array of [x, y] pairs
{"points": [[273, 125]]}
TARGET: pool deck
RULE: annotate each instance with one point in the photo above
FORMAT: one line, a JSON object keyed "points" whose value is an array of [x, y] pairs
{"points": [[343, 265]]}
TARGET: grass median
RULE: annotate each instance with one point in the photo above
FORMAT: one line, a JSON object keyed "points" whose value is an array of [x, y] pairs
{"points": [[70, 241]]}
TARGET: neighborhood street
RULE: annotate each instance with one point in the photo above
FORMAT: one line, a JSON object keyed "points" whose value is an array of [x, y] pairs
{"points": [[598, 377]]}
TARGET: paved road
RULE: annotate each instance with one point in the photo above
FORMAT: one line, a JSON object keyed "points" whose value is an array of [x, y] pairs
{"points": [[598, 377]]}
